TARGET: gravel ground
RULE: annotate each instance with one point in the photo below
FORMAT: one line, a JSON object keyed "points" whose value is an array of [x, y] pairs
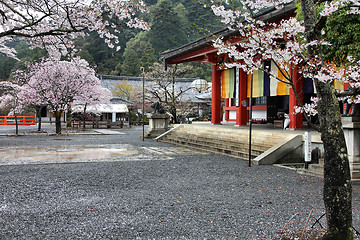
{"points": [[178, 195]]}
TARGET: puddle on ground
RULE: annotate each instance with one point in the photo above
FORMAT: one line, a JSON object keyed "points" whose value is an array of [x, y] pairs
{"points": [[64, 154]]}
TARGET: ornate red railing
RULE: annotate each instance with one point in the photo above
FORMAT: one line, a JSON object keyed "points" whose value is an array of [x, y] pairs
{"points": [[22, 120]]}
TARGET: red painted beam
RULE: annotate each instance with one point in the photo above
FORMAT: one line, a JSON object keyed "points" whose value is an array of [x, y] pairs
{"points": [[193, 54]]}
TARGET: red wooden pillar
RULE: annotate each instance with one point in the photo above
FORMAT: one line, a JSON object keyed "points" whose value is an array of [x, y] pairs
{"points": [[216, 96], [227, 112], [296, 120], [241, 112]]}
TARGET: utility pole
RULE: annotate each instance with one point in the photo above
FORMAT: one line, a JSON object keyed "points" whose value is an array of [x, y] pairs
{"points": [[250, 118], [143, 104]]}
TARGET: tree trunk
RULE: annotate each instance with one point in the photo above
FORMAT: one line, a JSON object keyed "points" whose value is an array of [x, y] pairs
{"points": [[129, 115], [68, 118], [58, 122], [16, 125], [172, 110], [38, 115], [84, 123], [337, 180]]}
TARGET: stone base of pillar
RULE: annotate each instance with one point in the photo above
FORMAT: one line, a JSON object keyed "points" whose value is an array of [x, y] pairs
{"points": [[351, 126], [158, 124]]}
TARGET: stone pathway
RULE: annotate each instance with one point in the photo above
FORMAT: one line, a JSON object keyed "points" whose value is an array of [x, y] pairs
{"points": [[108, 132]]}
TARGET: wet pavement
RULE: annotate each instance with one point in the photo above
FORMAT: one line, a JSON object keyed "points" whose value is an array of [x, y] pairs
{"points": [[65, 154], [116, 186]]}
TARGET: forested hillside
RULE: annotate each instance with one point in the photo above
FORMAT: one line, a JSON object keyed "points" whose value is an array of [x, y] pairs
{"points": [[173, 23]]}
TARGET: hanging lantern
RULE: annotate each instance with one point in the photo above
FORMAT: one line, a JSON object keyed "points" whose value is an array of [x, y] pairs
{"points": [[199, 85]]}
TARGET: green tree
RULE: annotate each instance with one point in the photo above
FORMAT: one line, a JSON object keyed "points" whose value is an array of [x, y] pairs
{"points": [[94, 50], [24, 54], [131, 64], [202, 21], [182, 12], [167, 30], [124, 90], [150, 2], [138, 53], [6, 65], [342, 31]]}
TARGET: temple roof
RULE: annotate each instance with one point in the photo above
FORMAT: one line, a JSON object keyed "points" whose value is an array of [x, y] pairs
{"points": [[202, 50]]}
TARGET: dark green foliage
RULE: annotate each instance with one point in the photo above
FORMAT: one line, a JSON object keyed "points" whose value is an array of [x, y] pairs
{"points": [[131, 64], [24, 54], [138, 53], [343, 32], [202, 21], [5, 66], [150, 2], [97, 53], [167, 31]]}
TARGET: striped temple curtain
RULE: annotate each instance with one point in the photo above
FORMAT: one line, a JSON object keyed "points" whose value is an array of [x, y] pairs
{"points": [[266, 85], [237, 84], [231, 82], [258, 84], [282, 88], [339, 85], [228, 83], [273, 81], [225, 84], [263, 84]]}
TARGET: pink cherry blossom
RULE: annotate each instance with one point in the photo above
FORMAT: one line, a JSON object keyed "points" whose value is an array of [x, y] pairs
{"points": [[54, 24], [58, 84]]}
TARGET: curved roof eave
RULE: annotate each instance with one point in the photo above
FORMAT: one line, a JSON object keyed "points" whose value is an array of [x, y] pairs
{"points": [[268, 16]]}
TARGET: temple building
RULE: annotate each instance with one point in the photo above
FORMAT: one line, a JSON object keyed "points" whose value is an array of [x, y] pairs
{"points": [[271, 98]]}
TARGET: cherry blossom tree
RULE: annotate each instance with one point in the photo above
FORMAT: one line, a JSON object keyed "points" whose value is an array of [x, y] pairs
{"points": [[53, 24], [58, 84], [10, 99], [297, 46]]}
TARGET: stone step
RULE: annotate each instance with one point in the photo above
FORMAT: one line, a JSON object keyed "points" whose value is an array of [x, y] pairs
{"points": [[256, 140], [316, 168], [218, 146], [269, 141], [224, 141], [355, 175], [209, 150], [212, 147], [233, 134], [229, 143]]}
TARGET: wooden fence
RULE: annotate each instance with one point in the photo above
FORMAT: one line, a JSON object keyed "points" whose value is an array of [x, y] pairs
{"points": [[97, 123]]}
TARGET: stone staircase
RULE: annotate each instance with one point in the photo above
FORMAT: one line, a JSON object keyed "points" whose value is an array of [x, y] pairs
{"points": [[318, 171], [314, 169], [267, 146], [317, 168]]}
